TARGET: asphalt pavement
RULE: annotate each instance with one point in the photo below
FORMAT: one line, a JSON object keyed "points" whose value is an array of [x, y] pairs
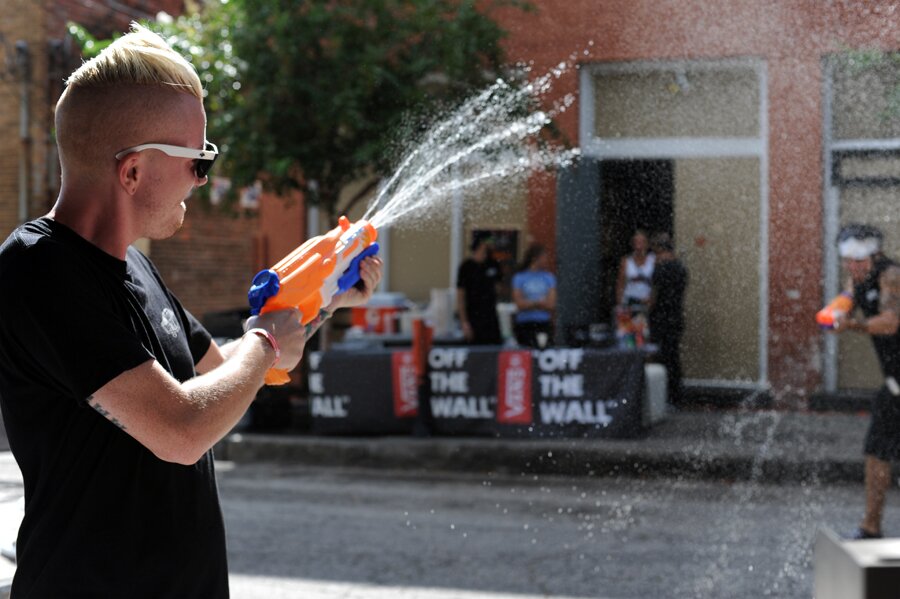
{"points": [[766, 446], [753, 445]]}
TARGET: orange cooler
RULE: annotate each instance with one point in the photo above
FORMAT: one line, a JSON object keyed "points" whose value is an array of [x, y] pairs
{"points": [[380, 314]]}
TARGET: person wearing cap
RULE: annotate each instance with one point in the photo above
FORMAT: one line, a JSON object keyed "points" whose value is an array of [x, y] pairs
{"points": [[113, 394], [666, 310], [874, 281], [477, 280]]}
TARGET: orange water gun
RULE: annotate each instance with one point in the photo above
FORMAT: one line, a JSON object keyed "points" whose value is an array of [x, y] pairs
{"points": [[842, 304], [310, 276]]}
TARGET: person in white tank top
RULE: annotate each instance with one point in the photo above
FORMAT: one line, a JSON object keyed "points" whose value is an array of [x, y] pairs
{"points": [[635, 273]]}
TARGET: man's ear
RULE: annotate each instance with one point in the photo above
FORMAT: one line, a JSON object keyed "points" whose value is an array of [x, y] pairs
{"points": [[130, 173]]}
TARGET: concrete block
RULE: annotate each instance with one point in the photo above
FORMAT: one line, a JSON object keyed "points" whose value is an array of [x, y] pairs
{"points": [[867, 569], [655, 394]]}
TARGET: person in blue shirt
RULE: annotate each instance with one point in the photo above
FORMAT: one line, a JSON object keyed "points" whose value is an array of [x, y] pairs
{"points": [[534, 293]]}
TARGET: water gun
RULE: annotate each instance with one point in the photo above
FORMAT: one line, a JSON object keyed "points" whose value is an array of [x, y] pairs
{"points": [[842, 304], [310, 276]]}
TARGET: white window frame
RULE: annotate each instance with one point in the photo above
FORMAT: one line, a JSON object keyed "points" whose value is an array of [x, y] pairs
{"points": [[673, 148], [831, 213]]}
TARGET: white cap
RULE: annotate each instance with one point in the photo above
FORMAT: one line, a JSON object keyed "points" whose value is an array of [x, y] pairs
{"points": [[858, 249], [858, 242]]}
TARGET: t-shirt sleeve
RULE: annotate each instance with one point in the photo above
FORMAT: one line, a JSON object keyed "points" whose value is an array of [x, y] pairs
{"points": [[198, 337], [63, 331]]}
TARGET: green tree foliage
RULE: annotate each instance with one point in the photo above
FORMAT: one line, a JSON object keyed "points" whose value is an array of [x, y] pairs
{"points": [[312, 95]]}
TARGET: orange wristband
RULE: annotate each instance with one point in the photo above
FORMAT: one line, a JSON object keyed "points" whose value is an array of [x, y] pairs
{"points": [[271, 339]]}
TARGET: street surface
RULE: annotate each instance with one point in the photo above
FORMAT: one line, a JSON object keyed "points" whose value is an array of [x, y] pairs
{"points": [[354, 534], [327, 533]]}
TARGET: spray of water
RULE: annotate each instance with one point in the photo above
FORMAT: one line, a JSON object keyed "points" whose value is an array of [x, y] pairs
{"points": [[491, 137]]}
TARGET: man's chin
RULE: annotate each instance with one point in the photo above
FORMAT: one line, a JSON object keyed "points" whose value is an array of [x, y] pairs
{"points": [[161, 234]]}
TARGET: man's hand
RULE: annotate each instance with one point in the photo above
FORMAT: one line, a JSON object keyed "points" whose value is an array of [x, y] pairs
{"points": [[370, 272], [288, 332], [841, 322], [845, 322]]}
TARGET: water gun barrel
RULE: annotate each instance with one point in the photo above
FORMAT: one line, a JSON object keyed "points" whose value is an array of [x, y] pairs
{"points": [[842, 304], [310, 276]]}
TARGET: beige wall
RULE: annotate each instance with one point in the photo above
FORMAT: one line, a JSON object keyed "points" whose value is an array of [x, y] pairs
{"points": [[420, 248], [717, 235], [678, 103]]}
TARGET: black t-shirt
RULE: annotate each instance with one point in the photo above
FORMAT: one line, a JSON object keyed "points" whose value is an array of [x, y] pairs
{"points": [[669, 283], [867, 296], [103, 517], [479, 280]]}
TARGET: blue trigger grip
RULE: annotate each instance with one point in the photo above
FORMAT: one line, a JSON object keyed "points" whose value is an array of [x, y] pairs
{"points": [[351, 275], [265, 285]]}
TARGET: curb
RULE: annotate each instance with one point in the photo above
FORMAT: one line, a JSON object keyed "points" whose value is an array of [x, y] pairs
{"points": [[547, 457]]}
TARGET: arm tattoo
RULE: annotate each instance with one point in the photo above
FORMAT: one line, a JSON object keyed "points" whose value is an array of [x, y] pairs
{"points": [[315, 323], [104, 412], [889, 300]]}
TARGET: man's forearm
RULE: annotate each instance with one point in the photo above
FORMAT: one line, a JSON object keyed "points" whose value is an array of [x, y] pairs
{"points": [[179, 422], [885, 323], [218, 399]]}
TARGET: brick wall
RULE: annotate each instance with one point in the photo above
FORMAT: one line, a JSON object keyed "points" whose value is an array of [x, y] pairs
{"points": [[792, 38], [22, 21], [209, 263], [105, 17]]}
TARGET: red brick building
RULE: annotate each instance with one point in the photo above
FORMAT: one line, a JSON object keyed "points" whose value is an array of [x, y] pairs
{"points": [[750, 140]]}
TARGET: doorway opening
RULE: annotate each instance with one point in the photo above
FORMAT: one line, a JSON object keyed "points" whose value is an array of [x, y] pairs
{"points": [[634, 194]]}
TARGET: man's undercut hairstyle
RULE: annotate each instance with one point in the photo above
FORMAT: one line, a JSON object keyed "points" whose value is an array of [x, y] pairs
{"points": [[140, 57], [121, 98]]}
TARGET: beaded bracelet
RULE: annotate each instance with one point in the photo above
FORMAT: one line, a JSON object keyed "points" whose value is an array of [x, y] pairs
{"points": [[270, 338]]}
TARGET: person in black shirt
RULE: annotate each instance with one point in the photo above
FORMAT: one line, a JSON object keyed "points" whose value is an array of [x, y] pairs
{"points": [[874, 281], [476, 295], [666, 310], [112, 393]]}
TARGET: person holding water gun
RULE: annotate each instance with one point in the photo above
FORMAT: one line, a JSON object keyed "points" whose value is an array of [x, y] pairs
{"points": [[873, 289], [112, 393]]}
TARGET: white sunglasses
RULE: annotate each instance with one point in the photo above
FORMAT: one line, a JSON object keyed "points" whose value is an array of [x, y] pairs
{"points": [[203, 159]]}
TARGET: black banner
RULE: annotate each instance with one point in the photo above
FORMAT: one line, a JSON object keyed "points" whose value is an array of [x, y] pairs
{"points": [[566, 392]]}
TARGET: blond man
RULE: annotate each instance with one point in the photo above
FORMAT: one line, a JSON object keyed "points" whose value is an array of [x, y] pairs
{"points": [[112, 393]]}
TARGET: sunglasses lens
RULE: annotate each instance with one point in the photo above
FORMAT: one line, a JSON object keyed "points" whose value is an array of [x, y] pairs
{"points": [[202, 167]]}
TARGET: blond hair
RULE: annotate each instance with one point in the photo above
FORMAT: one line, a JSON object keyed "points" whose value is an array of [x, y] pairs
{"points": [[140, 57], [120, 98]]}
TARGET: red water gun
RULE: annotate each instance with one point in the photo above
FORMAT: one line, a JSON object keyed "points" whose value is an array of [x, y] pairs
{"points": [[310, 276], [840, 305]]}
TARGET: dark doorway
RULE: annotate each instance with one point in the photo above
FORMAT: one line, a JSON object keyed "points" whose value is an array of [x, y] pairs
{"points": [[634, 194]]}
